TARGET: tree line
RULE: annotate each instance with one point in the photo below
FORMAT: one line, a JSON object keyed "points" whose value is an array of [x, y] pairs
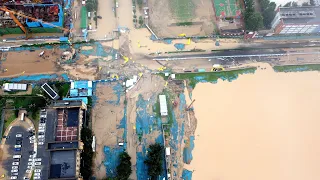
{"points": [[258, 20]]}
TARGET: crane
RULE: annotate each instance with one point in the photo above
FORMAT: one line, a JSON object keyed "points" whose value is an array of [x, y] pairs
{"points": [[13, 13]]}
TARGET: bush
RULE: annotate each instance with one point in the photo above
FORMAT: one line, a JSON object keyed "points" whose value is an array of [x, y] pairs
{"points": [[124, 168], [154, 160], [140, 20]]}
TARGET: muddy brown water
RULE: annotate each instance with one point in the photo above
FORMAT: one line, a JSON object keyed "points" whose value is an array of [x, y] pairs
{"points": [[261, 126]]}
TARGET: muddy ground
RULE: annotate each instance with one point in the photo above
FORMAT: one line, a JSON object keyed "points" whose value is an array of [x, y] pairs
{"points": [[162, 20]]}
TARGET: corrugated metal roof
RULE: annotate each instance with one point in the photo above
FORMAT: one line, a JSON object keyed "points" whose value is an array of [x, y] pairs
{"points": [[163, 105], [15, 86]]}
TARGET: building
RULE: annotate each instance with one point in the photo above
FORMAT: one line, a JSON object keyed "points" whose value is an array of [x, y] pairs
{"points": [[65, 145], [50, 91], [296, 20], [49, 14], [316, 2], [163, 105], [81, 88], [14, 87]]}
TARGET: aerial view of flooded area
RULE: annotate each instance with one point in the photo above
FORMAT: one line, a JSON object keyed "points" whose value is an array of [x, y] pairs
{"points": [[261, 126]]}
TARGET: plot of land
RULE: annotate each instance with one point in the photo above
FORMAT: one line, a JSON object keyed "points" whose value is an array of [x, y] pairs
{"points": [[227, 8], [169, 18]]}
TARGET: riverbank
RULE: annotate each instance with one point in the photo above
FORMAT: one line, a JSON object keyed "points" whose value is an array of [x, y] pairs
{"points": [[261, 128]]}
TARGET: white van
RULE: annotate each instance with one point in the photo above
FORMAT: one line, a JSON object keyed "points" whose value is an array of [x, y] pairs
{"points": [[17, 146], [22, 117], [16, 156]]}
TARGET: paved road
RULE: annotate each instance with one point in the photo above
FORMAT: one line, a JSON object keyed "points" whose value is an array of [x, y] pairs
{"points": [[26, 148]]}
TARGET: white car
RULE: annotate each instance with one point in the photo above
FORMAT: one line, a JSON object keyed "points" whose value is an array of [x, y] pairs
{"points": [[17, 146], [30, 163], [37, 174], [28, 171], [117, 4], [30, 160], [31, 156], [29, 167], [37, 163], [13, 177], [41, 130], [41, 127], [37, 177], [41, 136], [32, 138], [32, 141], [19, 135], [37, 170], [37, 159], [41, 139], [40, 143], [15, 163], [14, 170], [42, 124], [43, 110], [15, 167]]}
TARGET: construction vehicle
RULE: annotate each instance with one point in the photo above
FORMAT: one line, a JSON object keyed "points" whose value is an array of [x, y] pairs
{"points": [[217, 67], [15, 19], [189, 107], [182, 35]]}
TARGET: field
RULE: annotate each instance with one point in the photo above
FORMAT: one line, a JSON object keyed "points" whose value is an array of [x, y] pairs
{"points": [[227, 8], [171, 18]]}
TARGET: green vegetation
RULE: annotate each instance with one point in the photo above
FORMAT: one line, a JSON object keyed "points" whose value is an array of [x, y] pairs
{"points": [[268, 12], [124, 167], [253, 20], [296, 68], [32, 176], [140, 20], [92, 5], [154, 160], [182, 9], [140, 3], [194, 78], [62, 88], [11, 117], [87, 153], [184, 24]]}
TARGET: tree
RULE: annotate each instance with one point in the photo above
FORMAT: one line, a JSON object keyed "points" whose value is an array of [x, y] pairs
{"points": [[294, 4], [154, 160], [140, 20], [312, 3], [254, 21], [288, 4], [124, 168], [305, 4]]}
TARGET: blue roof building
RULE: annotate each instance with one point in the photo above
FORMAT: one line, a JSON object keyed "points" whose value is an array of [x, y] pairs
{"points": [[81, 88]]}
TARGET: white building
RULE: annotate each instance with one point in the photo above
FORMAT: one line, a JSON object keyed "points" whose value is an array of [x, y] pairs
{"points": [[163, 105], [14, 87]]}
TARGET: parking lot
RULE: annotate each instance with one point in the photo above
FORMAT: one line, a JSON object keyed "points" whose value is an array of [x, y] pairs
{"points": [[47, 119], [19, 150]]}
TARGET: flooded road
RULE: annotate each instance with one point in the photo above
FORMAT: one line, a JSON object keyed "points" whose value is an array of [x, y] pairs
{"points": [[261, 126]]}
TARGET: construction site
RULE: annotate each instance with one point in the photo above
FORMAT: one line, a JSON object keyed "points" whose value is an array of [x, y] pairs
{"points": [[34, 18]]}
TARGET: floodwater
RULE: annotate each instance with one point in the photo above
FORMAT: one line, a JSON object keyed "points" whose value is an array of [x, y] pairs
{"points": [[261, 126]]}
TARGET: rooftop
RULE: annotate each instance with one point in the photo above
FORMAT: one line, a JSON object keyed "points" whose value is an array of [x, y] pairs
{"points": [[299, 15], [63, 164]]}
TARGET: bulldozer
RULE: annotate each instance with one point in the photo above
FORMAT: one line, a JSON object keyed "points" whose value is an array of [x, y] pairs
{"points": [[217, 67]]}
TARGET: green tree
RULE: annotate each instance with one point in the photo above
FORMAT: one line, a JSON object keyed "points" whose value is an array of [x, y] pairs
{"points": [[140, 20], [288, 4], [294, 4], [124, 168], [254, 21], [154, 160], [305, 4]]}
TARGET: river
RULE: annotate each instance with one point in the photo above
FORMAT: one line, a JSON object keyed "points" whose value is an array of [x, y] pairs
{"points": [[261, 126]]}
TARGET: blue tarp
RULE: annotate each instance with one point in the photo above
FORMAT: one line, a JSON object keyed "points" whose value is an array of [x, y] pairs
{"points": [[186, 174], [74, 92], [80, 84], [187, 152], [179, 46], [63, 39]]}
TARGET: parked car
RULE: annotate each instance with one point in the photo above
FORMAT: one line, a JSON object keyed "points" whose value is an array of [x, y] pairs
{"points": [[30, 163], [15, 163], [40, 143], [16, 160], [28, 171], [17, 146], [17, 149], [37, 170], [32, 141], [41, 137], [14, 170], [19, 135], [37, 163], [37, 174], [37, 177], [15, 167], [13, 177], [14, 174], [41, 133]]}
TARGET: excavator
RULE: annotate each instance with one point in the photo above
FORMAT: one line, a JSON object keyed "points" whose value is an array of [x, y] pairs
{"points": [[14, 18], [189, 107]]}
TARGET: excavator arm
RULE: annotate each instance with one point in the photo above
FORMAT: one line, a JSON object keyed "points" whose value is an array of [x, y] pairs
{"points": [[13, 17]]}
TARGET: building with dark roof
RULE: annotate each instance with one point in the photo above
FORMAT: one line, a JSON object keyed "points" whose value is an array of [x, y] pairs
{"points": [[65, 146], [296, 20]]}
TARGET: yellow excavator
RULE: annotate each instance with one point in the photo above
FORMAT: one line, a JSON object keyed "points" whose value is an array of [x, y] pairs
{"points": [[14, 18], [217, 67]]}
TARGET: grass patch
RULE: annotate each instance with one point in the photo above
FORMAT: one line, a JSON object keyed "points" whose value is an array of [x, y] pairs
{"points": [[32, 176], [9, 117], [297, 68], [62, 88], [194, 78], [182, 9], [184, 24]]}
